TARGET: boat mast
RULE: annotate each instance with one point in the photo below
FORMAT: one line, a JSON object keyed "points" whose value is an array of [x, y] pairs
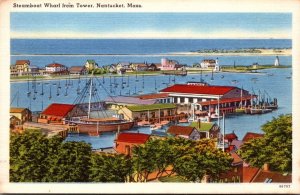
{"points": [[90, 96], [223, 131], [218, 111]]}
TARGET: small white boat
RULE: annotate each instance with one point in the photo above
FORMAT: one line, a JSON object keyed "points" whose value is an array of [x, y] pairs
{"points": [[155, 127]]}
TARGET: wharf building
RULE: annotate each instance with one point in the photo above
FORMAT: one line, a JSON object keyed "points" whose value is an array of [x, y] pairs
{"points": [[207, 99]]}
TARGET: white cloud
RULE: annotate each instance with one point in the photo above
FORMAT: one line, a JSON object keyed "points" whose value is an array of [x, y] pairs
{"points": [[183, 34]]}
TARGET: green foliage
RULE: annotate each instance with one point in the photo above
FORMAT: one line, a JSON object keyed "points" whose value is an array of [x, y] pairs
{"points": [[275, 148], [109, 168], [189, 159]]}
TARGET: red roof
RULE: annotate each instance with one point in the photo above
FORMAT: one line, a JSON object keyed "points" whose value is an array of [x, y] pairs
{"points": [[22, 62], [198, 89], [180, 130], [273, 177], [249, 173], [227, 100], [55, 65], [231, 136], [236, 158], [153, 96], [250, 135], [137, 138], [60, 110]]}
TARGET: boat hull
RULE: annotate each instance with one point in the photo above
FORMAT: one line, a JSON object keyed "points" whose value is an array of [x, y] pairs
{"points": [[104, 127]]}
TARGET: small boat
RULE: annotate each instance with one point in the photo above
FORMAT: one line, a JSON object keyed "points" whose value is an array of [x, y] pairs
{"points": [[215, 116], [288, 77], [155, 127]]}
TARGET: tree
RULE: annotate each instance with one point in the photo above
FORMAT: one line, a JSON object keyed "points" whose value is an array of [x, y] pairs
{"points": [[275, 148], [71, 163], [109, 168]]}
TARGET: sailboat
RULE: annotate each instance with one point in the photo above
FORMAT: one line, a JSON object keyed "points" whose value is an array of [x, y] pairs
{"points": [[50, 96], [94, 126], [28, 90]]}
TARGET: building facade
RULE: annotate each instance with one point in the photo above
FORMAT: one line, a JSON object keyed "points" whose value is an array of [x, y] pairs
{"points": [[56, 68], [126, 141], [210, 64], [23, 114]]}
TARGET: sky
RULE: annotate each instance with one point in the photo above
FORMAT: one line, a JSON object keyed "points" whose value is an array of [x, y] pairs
{"points": [[150, 25]]}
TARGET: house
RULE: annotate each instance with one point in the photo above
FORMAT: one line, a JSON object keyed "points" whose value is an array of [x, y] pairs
{"points": [[23, 114], [154, 67], [58, 113], [14, 122], [22, 66], [167, 64], [13, 70], [126, 141], [139, 66], [159, 97], [210, 64], [78, 70], [186, 132], [90, 65], [33, 70], [265, 175], [208, 98], [124, 66], [249, 135], [152, 113], [118, 102], [249, 173], [56, 68], [235, 174], [206, 129], [230, 137]]}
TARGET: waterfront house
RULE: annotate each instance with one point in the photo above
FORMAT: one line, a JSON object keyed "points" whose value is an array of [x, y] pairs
{"points": [[186, 132], [249, 135], [91, 65], [24, 114], [139, 66], [78, 70], [33, 70], [14, 122], [58, 113], [126, 141], [265, 175], [124, 67], [206, 129], [22, 66], [154, 67], [13, 70], [230, 137], [152, 113], [167, 64], [159, 97], [118, 102], [208, 98], [210, 64], [56, 68]]}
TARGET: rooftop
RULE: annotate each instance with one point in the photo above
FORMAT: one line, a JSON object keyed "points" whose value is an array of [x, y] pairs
{"points": [[198, 89], [16, 110], [153, 96], [227, 100], [55, 65], [137, 138], [237, 143], [250, 135], [273, 177], [231, 136], [21, 62], [58, 109], [203, 126], [129, 100], [249, 173], [76, 68], [140, 108], [236, 158], [180, 130]]}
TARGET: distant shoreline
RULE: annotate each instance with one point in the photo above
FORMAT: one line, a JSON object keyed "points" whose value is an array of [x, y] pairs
{"points": [[262, 52]]}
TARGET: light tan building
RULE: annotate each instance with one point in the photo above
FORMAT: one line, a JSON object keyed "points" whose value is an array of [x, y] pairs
{"points": [[23, 114]]}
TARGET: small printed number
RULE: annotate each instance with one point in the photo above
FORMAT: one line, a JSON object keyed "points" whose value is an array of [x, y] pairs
{"points": [[284, 186]]}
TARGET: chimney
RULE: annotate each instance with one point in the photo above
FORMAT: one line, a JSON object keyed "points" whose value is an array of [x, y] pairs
{"points": [[266, 167]]}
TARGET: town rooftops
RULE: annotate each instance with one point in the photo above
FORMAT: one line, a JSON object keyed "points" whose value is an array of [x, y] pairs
{"points": [[22, 62], [249, 173], [231, 136], [153, 96], [55, 65], [236, 159], [209, 61], [197, 89], [129, 100], [140, 108], [203, 126], [250, 135], [180, 130], [58, 109], [237, 143], [17, 110], [136, 138]]}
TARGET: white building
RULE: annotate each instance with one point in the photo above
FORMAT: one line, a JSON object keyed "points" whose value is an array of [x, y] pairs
{"points": [[276, 63], [55, 68], [210, 64]]}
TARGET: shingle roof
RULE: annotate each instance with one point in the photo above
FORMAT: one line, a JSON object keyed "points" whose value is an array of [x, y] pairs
{"points": [[203, 126], [231, 136], [58, 109], [129, 100], [153, 96], [249, 173], [214, 102], [180, 130], [137, 138], [21, 62], [236, 158], [274, 177], [151, 107], [197, 89], [76, 68], [17, 110], [55, 65], [250, 135]]}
